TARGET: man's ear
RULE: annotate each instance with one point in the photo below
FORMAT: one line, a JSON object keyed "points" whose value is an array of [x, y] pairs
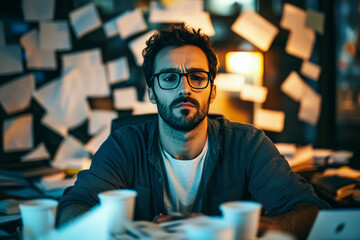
{"points": [[152, 97], [213, 94]]}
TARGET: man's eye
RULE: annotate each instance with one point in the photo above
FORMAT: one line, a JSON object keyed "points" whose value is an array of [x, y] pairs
{"points": [[169, 77], [198, 77]]}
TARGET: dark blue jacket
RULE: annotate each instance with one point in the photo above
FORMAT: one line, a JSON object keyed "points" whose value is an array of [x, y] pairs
{"points": [[242, 164]]}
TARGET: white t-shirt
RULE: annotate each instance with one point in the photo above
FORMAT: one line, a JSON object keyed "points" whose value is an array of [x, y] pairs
{"points": [[184, 177]]}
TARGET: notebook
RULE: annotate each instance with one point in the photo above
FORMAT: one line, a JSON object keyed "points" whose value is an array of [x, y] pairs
{"points": [[336, 224]]}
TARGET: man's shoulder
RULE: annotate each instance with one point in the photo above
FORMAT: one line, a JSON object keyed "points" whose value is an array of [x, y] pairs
{"points": [[144, 129], [226, 125]]}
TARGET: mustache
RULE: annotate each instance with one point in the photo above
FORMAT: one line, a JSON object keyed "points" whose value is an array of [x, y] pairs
{"points": [[184, 100]]}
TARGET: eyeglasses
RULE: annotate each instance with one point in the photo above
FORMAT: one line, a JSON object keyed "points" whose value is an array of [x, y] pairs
{"points": [[171, 80]]}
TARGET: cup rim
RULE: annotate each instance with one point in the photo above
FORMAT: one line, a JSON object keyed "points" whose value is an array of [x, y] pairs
{"points": [[240, 206], [118, 194], [38, 204]]}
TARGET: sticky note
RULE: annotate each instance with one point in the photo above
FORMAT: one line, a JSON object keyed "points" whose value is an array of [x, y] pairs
{"points": [[10, 60], [137, 46], [300, 43], [254, 93], [230, 82], [118, 70], [315, 20], [310, 70], [18, 133], [269, 120], [131, 23], [293, 86], [125, 98], [85, 20], [38, 10], [310, 106], [293, 17], [256, 29], [110, 27], [81, 59], [54, 36], [15, 96]]}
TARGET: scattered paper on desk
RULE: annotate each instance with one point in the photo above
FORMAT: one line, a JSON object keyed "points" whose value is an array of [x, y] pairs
{"points": [[2, 34], [54, 124], [300, 43], [145, 107], [340, 157], [10, 60], [100, 119], [344, 171], [125, 98], [65, 99], [85, 20], [94, 80], [254, 93], [110, 27], [38, 10], [137, 46], [310, 70], [256, 29], [310, 106], [118, 70], [131, 23], [288, 149], [82, 59], [71, 153], [293, 17], [18, 133], [94, 143], [15, 96], [38, 154], [230, 82], [315, 20], [269, 120], [293, 86], [86, 226], [303, 155], [54, 36]]}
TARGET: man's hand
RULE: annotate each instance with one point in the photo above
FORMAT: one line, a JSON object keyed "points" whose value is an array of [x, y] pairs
{"points": [[298, 221], [165, 218]]}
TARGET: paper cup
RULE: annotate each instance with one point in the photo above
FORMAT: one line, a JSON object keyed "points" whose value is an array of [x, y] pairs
{"points": [[38, 217], [211, 229], [122, 203], [244, 216]]}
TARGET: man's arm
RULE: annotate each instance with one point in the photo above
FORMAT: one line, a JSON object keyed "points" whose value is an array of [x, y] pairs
{"points": [[70, 212], [298, 221]]}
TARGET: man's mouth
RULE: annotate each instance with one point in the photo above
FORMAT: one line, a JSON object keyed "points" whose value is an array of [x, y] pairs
{"points": [[185, 105]]}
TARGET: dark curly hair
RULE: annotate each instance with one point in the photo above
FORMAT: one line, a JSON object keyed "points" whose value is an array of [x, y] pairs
{"points": [[177, 35]]}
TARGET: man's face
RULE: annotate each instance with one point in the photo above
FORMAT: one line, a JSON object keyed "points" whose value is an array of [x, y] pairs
{"points": [[184, 107]]}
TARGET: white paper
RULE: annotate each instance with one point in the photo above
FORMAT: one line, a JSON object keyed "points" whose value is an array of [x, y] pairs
{"points": [[131, 23], [118, 70], [38, 154], [100, 119], [175, 12], [82, 59], [315, 20], [54, 36], [304, 154], [65, 99], [256, 29], [229, 82], [144, 108], [10, 60], [110, 27], [254, 93], [286, 148], [94, 81], [310, 70], [30, 41], [293, 17], [293, 86], [269, 120], [94, 143], [310, 106], [201, 20], [137, 46], [2, 34], [70, 151], [300, 43], [45, 60], [38, 10], [18, 133], [54, 124], [125, 98], [85, 20], [344, 171], [15, 96]]}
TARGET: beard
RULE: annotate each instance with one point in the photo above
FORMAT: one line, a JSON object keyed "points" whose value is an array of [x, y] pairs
{"points": [[184, 123]]}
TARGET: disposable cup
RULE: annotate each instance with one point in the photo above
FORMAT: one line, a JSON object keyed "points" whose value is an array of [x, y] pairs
{"points": [[244, 216], [122, 203], [211, 229], [38, 217]]}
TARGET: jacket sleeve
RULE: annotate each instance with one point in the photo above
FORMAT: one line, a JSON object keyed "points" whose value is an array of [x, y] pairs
{"points": [[271, 180]]}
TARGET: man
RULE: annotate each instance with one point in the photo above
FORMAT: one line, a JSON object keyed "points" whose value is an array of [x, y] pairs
{"points": [[185, 162]]}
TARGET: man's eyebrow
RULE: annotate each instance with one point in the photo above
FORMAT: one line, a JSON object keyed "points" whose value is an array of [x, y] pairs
{"points": [[177, 70]]}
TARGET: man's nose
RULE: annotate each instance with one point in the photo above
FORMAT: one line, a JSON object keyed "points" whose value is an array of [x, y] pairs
{"points": [[184, 87]]}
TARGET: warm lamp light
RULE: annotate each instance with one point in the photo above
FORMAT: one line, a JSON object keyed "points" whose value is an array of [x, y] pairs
{"points": [[249, 64]]}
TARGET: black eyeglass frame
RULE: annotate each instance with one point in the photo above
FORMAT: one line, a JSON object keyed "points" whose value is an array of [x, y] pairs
{"points": [[156, 75]]}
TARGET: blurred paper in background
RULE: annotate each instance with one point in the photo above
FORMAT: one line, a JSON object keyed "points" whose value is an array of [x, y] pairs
{"points": [[18, 133]]}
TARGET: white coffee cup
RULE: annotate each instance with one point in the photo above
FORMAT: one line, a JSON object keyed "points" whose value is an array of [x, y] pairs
{"points": [[211, 229], [38, 217], [122, 203], [244, 216]]}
